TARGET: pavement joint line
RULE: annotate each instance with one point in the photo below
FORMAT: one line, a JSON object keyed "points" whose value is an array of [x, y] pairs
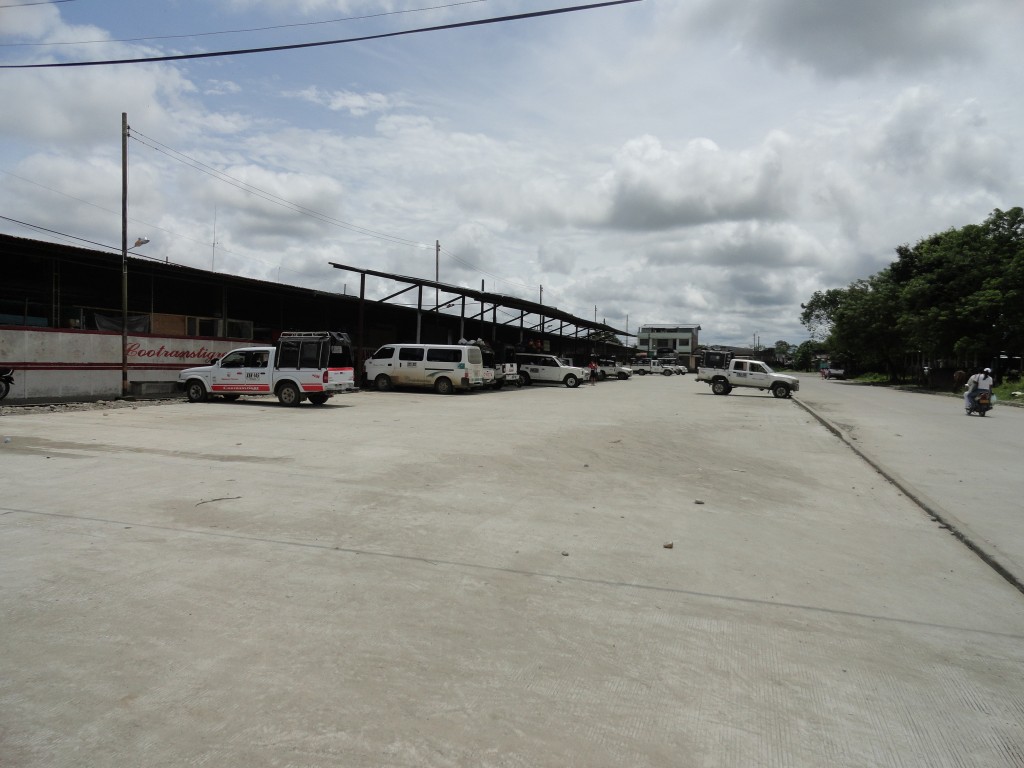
{"points": [[942, 518], [514, 571]]}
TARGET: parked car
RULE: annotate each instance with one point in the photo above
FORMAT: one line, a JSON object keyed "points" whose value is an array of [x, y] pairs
{"points": [[548, 368]]}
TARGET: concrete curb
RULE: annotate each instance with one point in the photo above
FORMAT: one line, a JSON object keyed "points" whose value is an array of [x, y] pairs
{"points": [[939, 516]]}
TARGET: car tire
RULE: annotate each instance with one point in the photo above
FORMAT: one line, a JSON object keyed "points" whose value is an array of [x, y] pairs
{"points": [[444, 386], [602, 375], [780, 390], [318, 399], [571, 381], [288, 394], [231, 398], [195, 391], [642, 372], [383, 383], [524, 379], [721, 387], [666, 372]]}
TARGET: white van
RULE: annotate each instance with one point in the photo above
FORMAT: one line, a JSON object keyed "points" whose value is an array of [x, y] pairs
{"points": [[443, 367]]}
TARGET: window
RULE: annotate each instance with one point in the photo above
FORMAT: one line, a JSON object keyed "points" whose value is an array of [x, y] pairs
{"points": [[384, 353], [239, 329], [202, 326], [289, 357], [411, 353], [741, 365], [234, 360], [444, 355], [309, 354]]}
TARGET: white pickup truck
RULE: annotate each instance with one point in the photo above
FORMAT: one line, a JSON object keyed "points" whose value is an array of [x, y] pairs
{"points": [[311, 365], [645, 366], [748, 373]]}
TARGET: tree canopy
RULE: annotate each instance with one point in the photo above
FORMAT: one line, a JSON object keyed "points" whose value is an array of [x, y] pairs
{"points": [[954, 296]]}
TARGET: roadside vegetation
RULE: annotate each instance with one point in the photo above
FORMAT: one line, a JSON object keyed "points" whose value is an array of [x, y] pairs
{"points": [[954, 301]]}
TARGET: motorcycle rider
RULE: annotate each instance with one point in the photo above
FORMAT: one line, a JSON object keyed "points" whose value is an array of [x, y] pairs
{"points": [[978, 383]]}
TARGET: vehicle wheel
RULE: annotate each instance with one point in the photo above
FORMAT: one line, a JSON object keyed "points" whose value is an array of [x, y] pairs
{"points": [[602, 375], [642, 372], [383, 383], [982, 413], [666, 372], [318, 399], [288, 394], [780, 390], [571, 381], [195, 392], [231, 398], [524, 379], [4, 389], [443, 386], [623, 376], [499, 384], [721, 387]]}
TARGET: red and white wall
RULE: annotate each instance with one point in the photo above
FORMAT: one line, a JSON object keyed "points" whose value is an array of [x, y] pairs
{"points": [[61, 364]]}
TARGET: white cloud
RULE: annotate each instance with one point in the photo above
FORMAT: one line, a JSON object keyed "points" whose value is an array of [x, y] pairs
{"points": [[700, 162]]}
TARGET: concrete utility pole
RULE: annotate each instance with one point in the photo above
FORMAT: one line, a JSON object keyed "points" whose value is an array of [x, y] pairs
{"points": [[437, 273], [124, 254]]}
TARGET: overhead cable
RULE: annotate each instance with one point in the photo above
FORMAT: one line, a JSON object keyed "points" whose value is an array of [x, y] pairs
{"points": [[295, 46], [236, 31]]}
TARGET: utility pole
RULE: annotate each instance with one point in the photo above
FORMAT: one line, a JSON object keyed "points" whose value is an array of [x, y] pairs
{"points": [[437, 274], [124, 254]]}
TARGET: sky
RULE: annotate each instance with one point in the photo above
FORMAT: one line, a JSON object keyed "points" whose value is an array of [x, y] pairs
{"points": [[660, 161]]}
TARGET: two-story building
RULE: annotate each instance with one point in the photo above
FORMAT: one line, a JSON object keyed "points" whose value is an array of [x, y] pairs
{"points": [[670, 340]]}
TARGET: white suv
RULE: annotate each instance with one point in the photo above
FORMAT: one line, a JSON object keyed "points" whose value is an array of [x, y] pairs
{"points": [[547, 368]]}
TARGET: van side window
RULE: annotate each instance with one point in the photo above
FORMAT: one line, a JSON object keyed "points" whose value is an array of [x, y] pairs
{"points": [[384, 353], [444, 355], [410, 353], [741, 365]]}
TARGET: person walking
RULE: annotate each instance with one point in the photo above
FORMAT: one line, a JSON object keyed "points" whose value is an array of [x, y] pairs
{"points": [[593, 371]]}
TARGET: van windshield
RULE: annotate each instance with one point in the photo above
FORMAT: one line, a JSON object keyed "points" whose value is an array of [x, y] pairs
{"points": [[475, 357]]}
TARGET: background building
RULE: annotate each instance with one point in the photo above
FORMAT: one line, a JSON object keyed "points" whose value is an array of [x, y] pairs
{"points": [[675, 340]]}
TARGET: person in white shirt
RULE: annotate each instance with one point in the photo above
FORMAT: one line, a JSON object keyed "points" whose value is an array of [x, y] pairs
{"points": [[978, 383]]}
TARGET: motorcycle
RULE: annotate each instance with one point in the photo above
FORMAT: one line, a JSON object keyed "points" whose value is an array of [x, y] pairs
{"points": [[6, 381], [981, 405]]}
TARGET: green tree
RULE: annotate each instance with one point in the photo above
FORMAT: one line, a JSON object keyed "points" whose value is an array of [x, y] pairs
{"points": [[955, 295]]}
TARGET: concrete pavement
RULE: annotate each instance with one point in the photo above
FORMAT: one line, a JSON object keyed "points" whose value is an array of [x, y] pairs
{"points": [[967, 470], [405, 579]]}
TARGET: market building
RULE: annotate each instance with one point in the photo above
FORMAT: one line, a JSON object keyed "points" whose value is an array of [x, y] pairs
{"points": [[63, 311]]}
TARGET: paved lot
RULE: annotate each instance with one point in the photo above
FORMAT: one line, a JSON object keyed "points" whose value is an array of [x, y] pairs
{"points": [[967, 470], [406, 579]]}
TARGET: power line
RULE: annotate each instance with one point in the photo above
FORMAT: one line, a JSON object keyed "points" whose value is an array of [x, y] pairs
{"points": [[295, 46], [237, 31], [40, 2], [263, 194]]}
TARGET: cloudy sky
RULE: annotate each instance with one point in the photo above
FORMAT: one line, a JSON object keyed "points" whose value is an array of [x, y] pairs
{"points": [[662, 161]]}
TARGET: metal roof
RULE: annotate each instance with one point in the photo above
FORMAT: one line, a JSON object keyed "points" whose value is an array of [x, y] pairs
{"points": [[524, 306]]}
